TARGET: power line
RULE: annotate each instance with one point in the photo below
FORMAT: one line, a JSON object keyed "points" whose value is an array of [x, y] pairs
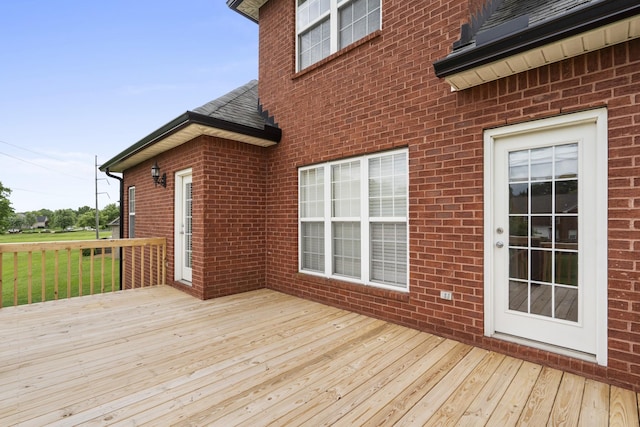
{"points": [[43, 167], [38, 192], [29, 150]]}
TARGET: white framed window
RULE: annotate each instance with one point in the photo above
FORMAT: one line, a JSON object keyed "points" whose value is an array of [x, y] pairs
{"points": [[353, 219], [326, 26], [132, 212]]}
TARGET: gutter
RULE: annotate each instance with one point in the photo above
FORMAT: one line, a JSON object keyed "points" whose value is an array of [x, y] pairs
{"points": [[121, 228], [580, 21]]}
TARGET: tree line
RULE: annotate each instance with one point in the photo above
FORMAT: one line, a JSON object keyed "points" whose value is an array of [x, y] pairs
{"points": [[59, 219]]}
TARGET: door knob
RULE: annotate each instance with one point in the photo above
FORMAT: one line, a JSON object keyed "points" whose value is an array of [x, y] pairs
{"points": [[499, 244]]}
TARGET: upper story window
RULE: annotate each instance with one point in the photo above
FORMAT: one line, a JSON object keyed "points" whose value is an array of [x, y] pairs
{"points": [[326, 26]]}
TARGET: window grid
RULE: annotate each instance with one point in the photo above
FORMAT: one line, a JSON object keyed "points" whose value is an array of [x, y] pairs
{"points": [[357, 19], [324, 26], [543, 223], [362, 235]]}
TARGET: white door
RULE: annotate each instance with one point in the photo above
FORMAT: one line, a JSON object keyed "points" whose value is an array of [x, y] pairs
{"points": [[184, 227], [542, 236]]}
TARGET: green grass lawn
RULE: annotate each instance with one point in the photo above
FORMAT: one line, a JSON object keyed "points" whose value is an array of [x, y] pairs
{"points": [[68, 269]]}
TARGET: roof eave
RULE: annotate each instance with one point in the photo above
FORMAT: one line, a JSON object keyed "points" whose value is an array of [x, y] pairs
{"points": [[586, 19], [198, 124], [247, 8]]}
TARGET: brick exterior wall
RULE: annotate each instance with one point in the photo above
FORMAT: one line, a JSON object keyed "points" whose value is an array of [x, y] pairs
{"points": [[228, 213], [382, 93]]}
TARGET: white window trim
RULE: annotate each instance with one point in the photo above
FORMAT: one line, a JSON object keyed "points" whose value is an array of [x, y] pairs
{"points": [[365, 261], [599, 117]]}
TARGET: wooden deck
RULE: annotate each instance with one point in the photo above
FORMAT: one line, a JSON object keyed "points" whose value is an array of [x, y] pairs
{"points": [[156, 356]]}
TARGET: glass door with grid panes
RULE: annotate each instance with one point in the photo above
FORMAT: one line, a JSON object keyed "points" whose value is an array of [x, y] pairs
{"points": [[544, 236], [184, 227]]}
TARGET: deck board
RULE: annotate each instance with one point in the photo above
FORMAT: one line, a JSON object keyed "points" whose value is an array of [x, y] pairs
{"points": [[156, 356]]}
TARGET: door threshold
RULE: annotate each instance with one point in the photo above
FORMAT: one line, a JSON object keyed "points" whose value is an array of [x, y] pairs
{"points": [[587, 357]]}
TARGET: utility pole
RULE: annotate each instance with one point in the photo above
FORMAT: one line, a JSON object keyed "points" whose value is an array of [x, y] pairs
{"points": [[97, 211], [95, 170]]}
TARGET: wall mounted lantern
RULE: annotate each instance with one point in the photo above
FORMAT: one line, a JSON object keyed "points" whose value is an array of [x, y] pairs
{"points": [[155, 174]]}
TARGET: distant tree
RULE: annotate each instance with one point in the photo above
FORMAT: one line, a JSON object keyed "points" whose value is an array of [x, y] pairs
{"points": [[109, 213], [5, 207], [63, 218], [83, 209], [45, 212], [29, 219], [87, 219], [16, 222]]}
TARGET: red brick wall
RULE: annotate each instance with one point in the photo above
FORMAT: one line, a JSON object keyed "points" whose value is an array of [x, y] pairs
{"points": [[382, 93], [228, 213]]}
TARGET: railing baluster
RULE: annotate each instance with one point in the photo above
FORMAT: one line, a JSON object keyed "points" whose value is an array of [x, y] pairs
{"points": [[29, 277], [142, 251], [133, 267], [80, 290], [69, 273], [142, 268], [113, 269], [15, 279], [164, 264], [43, 275], [91, 272], [158, 266], [57, 269], [102, 271]]}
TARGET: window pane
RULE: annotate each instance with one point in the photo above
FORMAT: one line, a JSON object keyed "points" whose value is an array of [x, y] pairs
{"points": [[567, 304], [345, 188], [519, 231], [567, 268], [312, 246], [346, 249], [541, 300], [542, 163], [566, 157], [518, 296], [388, 186], [357, 19], [519, 165], [567, 196], [389, 253], [314, 44], [312, 193], [541, 197], [518, 198], [132, 226], [310, 10]]}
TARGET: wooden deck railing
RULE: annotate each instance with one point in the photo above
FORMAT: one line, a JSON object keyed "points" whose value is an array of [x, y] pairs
{"points": [[41, 271]]}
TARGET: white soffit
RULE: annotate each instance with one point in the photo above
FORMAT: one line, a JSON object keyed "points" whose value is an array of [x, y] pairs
{"points": [[185, 135], [615, 33], [251, 8]]}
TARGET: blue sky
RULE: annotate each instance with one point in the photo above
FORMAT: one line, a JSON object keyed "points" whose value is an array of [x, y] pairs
{"points": [[86, 78]]}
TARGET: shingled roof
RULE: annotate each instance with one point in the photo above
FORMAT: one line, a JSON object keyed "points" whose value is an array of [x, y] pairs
{"points": [[240, 106], [517, 35], [237, 116]]}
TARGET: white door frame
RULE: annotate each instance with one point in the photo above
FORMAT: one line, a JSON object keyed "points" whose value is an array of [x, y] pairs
{"points": [[599, 117], [180, 273]]}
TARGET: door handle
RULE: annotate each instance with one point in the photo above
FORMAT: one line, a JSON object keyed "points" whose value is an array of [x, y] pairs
{"points": [[499, 244]]}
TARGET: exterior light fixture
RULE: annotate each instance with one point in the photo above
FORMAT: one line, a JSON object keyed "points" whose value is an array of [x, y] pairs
{"points": [[157, 178]]}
